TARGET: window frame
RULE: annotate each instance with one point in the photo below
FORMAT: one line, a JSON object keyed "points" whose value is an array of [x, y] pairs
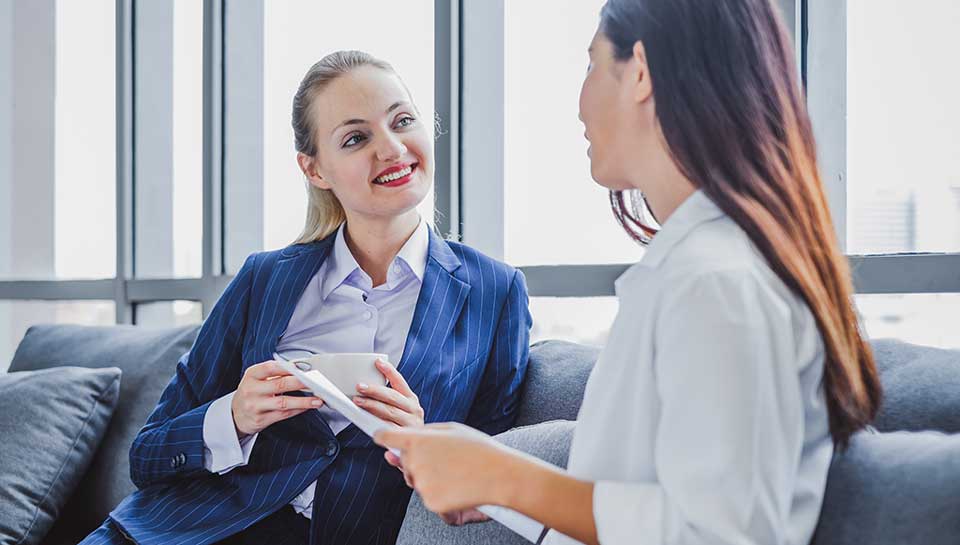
{"points": [[469, 91]]}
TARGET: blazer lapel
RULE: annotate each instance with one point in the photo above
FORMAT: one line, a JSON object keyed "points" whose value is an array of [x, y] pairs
{"points": [[438, 308], [442, 296], [292, 273]]}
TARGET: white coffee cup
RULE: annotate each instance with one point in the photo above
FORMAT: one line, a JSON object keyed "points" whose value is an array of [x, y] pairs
{"points": [[345, 370]]}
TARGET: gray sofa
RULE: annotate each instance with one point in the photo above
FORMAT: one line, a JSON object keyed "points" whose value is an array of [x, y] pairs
{"points": [[899, 484]]}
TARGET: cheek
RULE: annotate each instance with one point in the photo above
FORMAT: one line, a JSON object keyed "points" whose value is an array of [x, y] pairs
{"points": [[420, 145]]}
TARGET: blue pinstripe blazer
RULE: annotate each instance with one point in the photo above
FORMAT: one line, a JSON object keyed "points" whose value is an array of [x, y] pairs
{"points": [[465, 357]]}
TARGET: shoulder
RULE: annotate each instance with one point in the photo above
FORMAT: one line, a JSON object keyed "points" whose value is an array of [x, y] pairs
{"points": [[481, 267], [718, 263], [266, 259]]}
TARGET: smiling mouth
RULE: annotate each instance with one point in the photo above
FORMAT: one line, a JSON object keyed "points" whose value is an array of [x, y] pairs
{"points": [[397, 176]]}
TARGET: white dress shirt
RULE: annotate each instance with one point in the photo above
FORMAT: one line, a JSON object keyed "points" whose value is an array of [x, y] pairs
{"points": [[704, 421], [339, 311]]}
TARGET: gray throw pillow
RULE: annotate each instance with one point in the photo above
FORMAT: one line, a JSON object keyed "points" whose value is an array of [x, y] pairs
{"points": [[549, 441], [52, 422], [148, 358], [891, 489]]}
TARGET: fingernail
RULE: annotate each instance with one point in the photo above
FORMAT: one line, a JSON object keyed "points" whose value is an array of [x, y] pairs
{"points": [[359, 400], [362, 386], [316, 402]]}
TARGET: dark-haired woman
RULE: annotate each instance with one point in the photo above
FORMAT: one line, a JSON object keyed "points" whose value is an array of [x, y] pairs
{"points": [[735, 365]]}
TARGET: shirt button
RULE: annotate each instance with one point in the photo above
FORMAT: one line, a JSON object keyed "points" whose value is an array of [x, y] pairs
{"points": [[397, 269], [367, 315], [331, 449]]}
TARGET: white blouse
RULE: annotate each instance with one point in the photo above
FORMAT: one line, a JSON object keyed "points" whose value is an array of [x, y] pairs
{"points": [[704, 420]]}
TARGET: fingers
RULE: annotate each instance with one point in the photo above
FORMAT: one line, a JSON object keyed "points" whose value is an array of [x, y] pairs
{"points": [[389, 396], [261, 371], [388, 412], [277, 385], [395, 379], [393, 460], [394, 438], [286, 403]]}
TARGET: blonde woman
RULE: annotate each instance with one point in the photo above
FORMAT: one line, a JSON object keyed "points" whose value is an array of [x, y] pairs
{"points": [[231, 453]]}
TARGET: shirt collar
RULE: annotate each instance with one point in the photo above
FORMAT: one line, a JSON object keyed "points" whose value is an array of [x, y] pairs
{"points": [[695, 210], [341, 263]]}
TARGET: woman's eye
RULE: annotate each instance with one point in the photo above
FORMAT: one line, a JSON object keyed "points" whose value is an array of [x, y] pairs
{"points": [[353, 140], [405, 121]]}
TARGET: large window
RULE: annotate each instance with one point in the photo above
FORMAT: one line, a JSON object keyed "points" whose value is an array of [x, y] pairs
{"points": [[554, 211], [168, 101], [146, 149], [57, 162], [903, 126]]}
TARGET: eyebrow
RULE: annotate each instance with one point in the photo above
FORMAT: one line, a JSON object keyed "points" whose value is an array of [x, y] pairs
{"points": [[392, 107]]}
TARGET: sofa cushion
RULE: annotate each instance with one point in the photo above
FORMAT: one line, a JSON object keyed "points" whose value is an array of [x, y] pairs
{"points": [[893, 488], [148, 358], [60, 416], [921, 387], [549, 441], [556, 377]]}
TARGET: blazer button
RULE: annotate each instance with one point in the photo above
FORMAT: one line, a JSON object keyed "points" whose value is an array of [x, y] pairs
{"points": [[173, 463], [331, 448], [182, 458]]}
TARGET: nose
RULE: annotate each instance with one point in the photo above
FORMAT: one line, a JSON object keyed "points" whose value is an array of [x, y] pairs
{"points": [[391, 148]]}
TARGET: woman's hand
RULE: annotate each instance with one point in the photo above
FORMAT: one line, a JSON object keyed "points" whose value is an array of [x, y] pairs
{"points": [[397, 404], [452, 466], [260, 400], [456, 468]]}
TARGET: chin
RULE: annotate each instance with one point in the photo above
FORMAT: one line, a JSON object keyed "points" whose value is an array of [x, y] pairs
{"points": [[608, 179]]}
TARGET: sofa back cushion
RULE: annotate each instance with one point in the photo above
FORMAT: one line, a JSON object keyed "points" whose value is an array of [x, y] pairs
{"points": [[893, 488], [148, 358], [556, 378], [921, 387], [53, 421]]}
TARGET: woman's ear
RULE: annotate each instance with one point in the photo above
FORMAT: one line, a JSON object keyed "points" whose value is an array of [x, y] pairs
{"points": [[639, 74], [308, 165]]}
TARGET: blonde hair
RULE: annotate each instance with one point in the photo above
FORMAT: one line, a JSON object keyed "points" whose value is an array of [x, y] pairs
{"points": [[324, 212]]}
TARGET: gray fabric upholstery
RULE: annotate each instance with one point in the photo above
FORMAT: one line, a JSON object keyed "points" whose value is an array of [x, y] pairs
{"points": [[549, 441], [148, 358], [921, 387], [60, 416], [884, 480], [556, 378], [893, 488]]}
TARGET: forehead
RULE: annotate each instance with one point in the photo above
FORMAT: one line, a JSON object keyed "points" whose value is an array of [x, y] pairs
{"points": [[600, 46], [363, 93]]}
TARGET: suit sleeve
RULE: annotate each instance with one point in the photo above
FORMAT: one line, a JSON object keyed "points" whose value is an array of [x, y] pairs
{"points": [[170, 445], [498, 396]]}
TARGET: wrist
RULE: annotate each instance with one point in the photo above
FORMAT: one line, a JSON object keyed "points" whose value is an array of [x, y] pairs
{"points": [[236, 425], [511, 481]]}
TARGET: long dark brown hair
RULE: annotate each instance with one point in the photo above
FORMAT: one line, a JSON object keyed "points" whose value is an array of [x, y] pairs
{"points": [[733, 115]]}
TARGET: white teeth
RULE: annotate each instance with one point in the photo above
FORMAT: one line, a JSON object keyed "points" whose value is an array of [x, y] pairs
{"points": [[395, 176]]}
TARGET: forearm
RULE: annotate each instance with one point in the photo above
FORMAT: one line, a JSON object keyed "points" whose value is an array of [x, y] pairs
{"points": [[171, 450], [549, 495]]}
